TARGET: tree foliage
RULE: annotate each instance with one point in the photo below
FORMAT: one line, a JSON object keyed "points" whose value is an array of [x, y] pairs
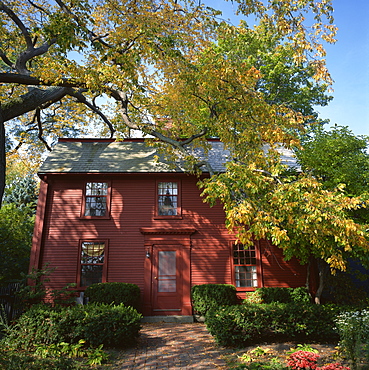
{"points": [[297, 215], [58, 58], [337, 157], [22, 192], [16, 229], [174, 71]]}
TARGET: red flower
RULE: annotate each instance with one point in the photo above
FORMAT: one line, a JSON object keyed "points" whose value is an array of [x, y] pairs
{"points": [[303, 360]]}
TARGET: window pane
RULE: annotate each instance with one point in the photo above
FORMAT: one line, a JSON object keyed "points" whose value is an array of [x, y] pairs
{"points": [[246, 276], [167, 198], [167, 263], [95, 206], [96, 188], [244, 260], [96, 195], [91, 274], [92, 262], [167, 279], [92, 252], [167, 285], [244, 255]]}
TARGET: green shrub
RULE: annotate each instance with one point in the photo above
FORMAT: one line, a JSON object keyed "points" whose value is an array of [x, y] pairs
{"points": [[253, 323], [13, 359], [300, 295], [117, 293], [281, 295], [37, 325], [111, 325], [208, 296]]}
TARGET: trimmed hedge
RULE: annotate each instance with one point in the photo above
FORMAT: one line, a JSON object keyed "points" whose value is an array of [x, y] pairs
{"points": [[254, 323], [281, 295], [113, 326], [117, 293], [209, 296]]}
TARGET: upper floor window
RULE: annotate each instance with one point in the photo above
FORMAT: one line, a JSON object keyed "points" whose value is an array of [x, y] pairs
{"points": [[92, 261], [96, 199], [167, 199], [245, 266]]}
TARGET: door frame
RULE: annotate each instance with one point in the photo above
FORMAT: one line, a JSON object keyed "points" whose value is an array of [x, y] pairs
{"points": [[181, 238]]}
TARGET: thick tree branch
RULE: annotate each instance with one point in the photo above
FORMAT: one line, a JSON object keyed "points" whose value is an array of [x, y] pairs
{"points": [[32, 100], [24, 79], [193, 137], [18, 23], [31, 51]]}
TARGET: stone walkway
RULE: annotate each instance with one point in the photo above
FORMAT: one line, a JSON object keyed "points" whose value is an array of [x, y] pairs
{"points": [[173, 346]]}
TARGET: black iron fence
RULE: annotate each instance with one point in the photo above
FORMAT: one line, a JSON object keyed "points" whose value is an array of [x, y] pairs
{"points": [[10, 303]]}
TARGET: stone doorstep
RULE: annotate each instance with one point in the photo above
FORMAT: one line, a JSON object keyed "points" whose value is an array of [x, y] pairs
{"points": [[172, 318]]}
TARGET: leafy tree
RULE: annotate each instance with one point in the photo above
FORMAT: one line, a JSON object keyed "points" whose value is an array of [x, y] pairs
{"points": [[171, 70], [22, 192], [260, 200], [58, 59], [337, 157], [16, 229]]}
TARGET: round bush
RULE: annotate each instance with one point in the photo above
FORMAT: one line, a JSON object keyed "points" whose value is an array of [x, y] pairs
{"points": [[111, 325], [209, 296]]}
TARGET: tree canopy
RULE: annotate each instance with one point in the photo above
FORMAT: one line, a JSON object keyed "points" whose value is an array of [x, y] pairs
{"points": [[59, 57], [178, 73], [16, 229], [337, 157]]}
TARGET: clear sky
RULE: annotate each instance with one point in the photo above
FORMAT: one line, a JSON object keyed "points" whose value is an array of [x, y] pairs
{"points": [[347, 61]]}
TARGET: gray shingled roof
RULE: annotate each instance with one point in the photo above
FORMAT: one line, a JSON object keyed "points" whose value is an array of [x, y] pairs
{"points": [[128, 156], [116, 157]]}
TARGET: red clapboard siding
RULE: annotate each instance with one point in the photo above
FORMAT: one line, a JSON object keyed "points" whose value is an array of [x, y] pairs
{"points": [[279, 273], [60, 230]]}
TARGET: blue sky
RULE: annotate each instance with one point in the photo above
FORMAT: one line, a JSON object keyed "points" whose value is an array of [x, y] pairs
{"points": [[347, 61]]}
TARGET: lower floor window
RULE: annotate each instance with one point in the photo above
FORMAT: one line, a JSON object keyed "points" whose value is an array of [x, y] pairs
{"points": [[92, 263], [245, 266]]}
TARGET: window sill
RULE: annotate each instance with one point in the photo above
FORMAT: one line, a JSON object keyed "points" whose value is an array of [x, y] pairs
{"points": [[245, 289], [179, 217], [95, 217]]}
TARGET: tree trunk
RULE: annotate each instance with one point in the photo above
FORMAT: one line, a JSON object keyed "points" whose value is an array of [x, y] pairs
{"points": [[323, 271], [2, 157]]}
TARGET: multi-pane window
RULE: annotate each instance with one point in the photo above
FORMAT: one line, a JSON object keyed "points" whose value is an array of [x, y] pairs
{"points": [[167, 199], [245, 263], [96, 199], [92, 263]]}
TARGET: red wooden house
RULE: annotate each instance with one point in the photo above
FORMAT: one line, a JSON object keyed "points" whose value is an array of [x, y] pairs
{"points": [[108, 212]]}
